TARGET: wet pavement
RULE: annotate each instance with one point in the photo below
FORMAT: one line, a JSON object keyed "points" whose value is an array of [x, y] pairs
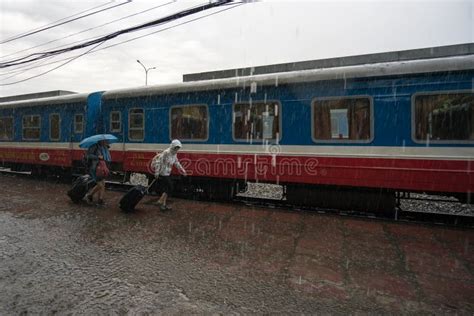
{"points": [[206, 258]]}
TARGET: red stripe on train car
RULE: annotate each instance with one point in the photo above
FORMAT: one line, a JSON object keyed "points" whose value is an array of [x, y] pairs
{"points": [[396, 173], [40, 156]]}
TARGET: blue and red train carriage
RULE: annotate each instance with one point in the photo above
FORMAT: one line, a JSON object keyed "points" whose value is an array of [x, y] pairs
{"points": [[348, 135]]}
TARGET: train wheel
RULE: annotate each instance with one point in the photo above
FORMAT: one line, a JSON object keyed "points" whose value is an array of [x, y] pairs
{"points": [[466, 198], [378, 201], [222, 191], [38, 172]]}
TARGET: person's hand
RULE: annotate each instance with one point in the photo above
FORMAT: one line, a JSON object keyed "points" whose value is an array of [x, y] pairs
{"points": [[101, 157]]}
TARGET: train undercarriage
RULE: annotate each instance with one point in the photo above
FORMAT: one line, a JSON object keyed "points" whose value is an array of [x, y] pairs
{"points": [[374, 200]]}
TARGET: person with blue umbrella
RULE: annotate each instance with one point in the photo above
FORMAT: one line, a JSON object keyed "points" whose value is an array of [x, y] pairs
{"points": [[98, 158]]}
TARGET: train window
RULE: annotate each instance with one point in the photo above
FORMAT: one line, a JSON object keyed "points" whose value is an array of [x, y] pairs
{"points": [[136, 124], [78, 123], [54, 127], [342, 119], [189, 122], [115, 121], [6, 128], [31, 127], [256, 121], [444, 116]]}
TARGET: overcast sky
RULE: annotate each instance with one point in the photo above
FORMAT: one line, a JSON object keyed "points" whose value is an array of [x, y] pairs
{"points": [[252, 34]]}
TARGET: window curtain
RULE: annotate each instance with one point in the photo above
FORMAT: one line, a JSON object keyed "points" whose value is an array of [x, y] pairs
{"points": [[322, 120], [423, 107], [358, 116], [176, 128]]}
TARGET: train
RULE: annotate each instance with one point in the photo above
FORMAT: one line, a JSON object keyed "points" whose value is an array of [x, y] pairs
{"points": [[351, 132]]}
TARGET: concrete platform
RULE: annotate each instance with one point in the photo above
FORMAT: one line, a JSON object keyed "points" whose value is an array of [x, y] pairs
{"points": [[220, 258]]}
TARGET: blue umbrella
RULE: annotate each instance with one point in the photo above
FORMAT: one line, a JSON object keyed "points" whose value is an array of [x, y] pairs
{"points": [[89, 141]]}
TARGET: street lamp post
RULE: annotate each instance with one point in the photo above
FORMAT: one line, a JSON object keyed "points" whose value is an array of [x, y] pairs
{"points": [[146, 71]]}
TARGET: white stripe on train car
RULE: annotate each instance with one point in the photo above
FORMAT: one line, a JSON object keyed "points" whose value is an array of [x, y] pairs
{"points": [[437, 153], [434, 153]]}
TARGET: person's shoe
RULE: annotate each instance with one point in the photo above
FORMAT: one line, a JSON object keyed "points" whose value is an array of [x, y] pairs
{"points": [[164, 208], [100, 202], [89, 198]]}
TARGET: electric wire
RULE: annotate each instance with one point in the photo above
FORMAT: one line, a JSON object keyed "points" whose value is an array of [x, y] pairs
{"points": [[170, 27], [19, 69], [37, 64], [93, 50], [63, 19], [89, 29], [129, 40], [116, 44], [181, 14], [44, 73], [71, 43], [61, 23]]}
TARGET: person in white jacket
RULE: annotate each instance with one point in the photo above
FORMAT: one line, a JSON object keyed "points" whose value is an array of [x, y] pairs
{"points": [[163, 164]]}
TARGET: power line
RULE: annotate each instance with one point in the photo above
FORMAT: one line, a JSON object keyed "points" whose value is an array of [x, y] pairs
{"points": [[237, 4], [93, 49], [20, 67], [44, 73], [41, 55], [35, 29], [26, 65], [38, 64], [153, 23], [90, 29], [19, 71], [61, 23]]}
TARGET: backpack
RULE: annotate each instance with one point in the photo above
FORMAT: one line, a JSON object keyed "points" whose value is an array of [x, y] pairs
{"points": [[102, 170], [155, 162]]}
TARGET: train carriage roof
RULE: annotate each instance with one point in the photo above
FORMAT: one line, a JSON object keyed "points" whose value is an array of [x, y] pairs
{"points": [[387, 57], [64, 99], [394, 68]]}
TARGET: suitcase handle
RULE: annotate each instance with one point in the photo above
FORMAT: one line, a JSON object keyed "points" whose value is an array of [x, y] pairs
{"points": [[148, 187]]}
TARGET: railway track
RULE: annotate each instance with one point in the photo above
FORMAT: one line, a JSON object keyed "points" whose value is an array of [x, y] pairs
{"points": [[399, 215], [445, 219]]}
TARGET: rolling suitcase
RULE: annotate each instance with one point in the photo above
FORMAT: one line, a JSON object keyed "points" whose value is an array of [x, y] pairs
{"points": [[80, 187], [133, 196]]}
